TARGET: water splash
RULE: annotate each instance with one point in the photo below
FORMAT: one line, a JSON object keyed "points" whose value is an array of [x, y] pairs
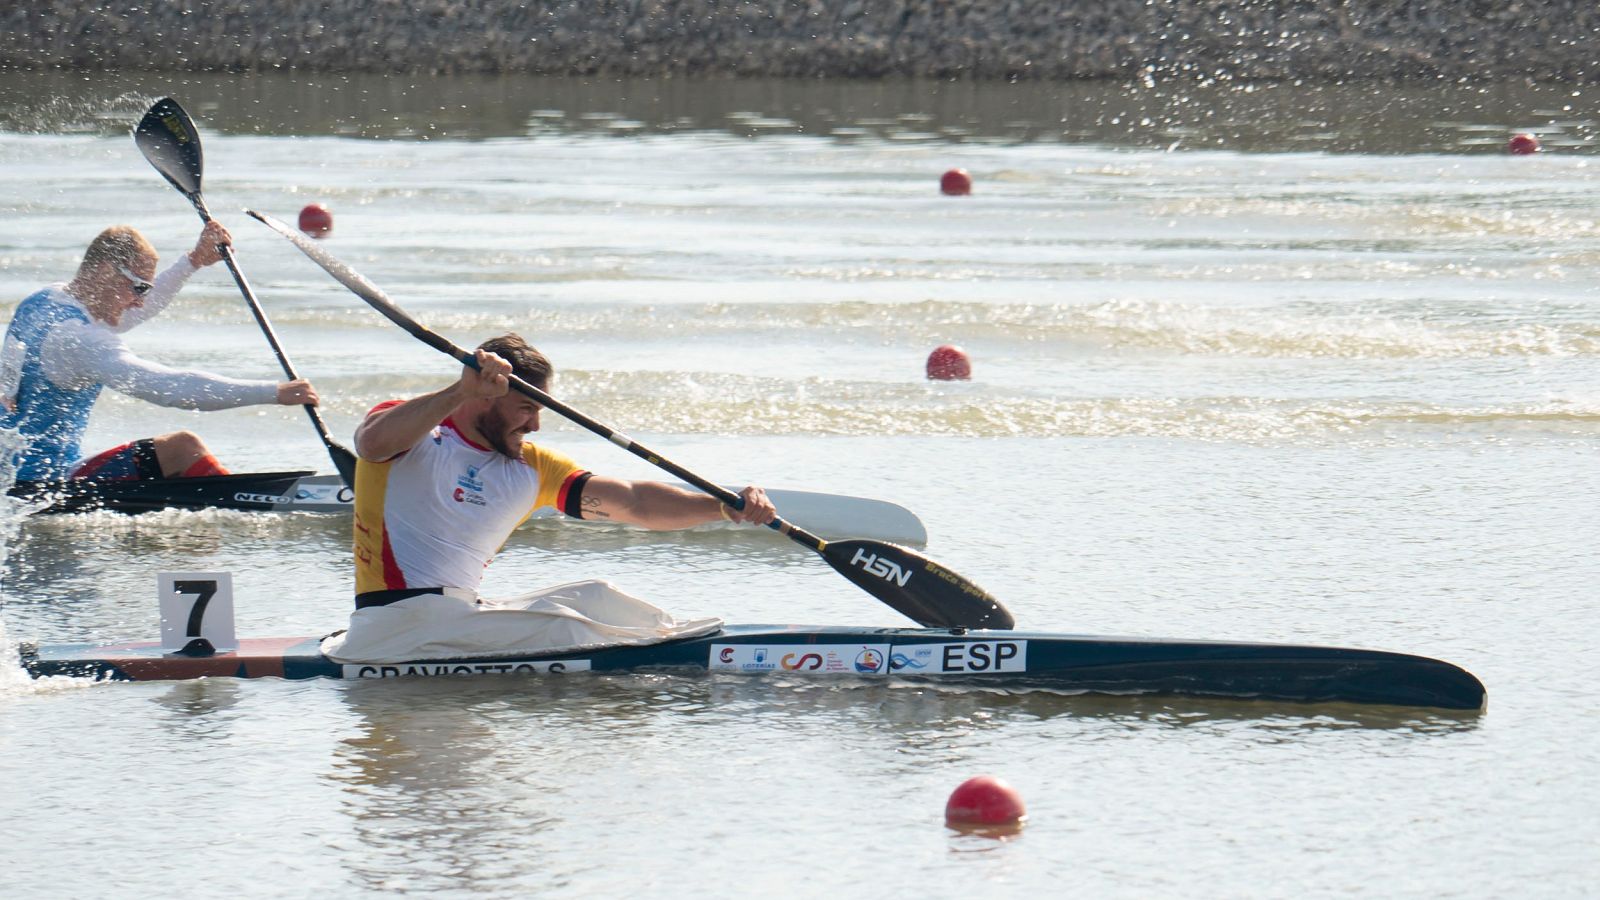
{"points": [[12, 510], [14, 679]]}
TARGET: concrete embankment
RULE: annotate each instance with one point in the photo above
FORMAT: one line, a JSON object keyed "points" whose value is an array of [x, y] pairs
{"points": [[987, 39]]}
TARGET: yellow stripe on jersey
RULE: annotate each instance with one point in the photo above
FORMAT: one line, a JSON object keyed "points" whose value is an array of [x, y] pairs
{"points": [[553, 469], [371, 543]]}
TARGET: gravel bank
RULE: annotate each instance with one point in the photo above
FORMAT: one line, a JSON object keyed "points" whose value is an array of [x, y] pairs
{"points": [[982, 39]]}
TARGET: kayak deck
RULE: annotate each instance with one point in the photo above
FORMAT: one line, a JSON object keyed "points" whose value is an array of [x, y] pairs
{"points": [[303, 492], [1006, 659]]}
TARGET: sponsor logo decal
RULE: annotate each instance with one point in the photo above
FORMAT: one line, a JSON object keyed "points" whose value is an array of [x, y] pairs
{"points": [[739, 658], [886, 569], [917, 659], [843, 659], [482, 667], [324, 494], [964, 658], [469, 489], [462, 495], [243, 497]]}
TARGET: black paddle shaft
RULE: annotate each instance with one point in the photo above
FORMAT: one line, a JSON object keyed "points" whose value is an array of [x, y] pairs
{"points": [[912, 584], [169, 140]]}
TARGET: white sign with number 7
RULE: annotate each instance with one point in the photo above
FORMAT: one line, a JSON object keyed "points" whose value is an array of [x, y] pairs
{"points": [[196, 611]]}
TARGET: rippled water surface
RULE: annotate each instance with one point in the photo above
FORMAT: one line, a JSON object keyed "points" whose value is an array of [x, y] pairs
{"points": [[1342, 390]]}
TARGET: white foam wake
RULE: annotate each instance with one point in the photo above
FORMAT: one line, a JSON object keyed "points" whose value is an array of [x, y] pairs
{"points": [[14, 679]]}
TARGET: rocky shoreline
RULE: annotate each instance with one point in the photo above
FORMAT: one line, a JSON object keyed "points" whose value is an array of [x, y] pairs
{"points": [[1556, 40]]}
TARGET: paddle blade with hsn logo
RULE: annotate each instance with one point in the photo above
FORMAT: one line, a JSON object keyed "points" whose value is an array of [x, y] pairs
{"points": [[916, 586], [168, 139]]}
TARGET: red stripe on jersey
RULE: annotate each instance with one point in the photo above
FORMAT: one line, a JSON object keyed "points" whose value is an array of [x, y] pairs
{"points": [[450, 423], [393, 578], [561, 496], [387, 404]]}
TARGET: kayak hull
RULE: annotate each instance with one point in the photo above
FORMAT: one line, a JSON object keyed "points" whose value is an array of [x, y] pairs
{"points": [[1000, 659], [834, 515], [299, 491]]}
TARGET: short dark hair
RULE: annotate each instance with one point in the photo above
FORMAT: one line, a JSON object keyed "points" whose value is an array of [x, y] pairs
{"points": [[526, 363]]}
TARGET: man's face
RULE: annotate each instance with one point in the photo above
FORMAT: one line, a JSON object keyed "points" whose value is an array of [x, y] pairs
{"points": [[504, 425], [130, 285]]}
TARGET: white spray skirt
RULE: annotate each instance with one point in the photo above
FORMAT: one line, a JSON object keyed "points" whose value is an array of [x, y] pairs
{"points": [[578, 616]]}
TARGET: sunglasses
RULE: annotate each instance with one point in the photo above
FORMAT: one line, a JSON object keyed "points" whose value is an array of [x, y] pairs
{"points": [[140, 286]]}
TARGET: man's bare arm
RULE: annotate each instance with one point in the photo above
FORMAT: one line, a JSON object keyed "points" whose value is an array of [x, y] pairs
{"points": [[651, 504], [389, 432]]}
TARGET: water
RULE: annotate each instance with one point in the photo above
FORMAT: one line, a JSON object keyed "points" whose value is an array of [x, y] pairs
{"points": [[1253, 386]]}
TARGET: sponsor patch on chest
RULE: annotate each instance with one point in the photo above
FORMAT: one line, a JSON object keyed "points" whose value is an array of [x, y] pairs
{"points": [[469, 488]]}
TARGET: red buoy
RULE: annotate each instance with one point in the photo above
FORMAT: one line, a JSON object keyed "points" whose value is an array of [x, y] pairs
{"points": [[948, 362], [984, 800], [315, 220], [1522, 144], [956, 183]]}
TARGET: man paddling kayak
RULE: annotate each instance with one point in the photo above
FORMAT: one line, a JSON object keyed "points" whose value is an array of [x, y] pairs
{"points": [[64, 344], [443, 479]]}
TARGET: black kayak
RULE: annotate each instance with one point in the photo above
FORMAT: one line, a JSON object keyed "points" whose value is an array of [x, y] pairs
{"points": [[260, 491], [990, 659]]}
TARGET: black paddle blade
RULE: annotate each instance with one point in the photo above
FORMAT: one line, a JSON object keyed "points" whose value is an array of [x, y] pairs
{"points": [[344, 461], [916, 586], [168, 139]]}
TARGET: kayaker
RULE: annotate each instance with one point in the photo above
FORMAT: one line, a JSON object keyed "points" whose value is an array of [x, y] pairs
{"points": [[65, 343], [443, 479]]}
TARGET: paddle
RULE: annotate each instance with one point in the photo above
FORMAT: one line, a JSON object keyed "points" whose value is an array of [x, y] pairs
{"points": [[906, 580], [168, 139]]}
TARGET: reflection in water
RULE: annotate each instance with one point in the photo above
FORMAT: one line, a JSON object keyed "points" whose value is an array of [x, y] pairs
{"points": [[1370, 117], [470, 783], [442, 787], [989, 835], [200, 710], [928, 715]]}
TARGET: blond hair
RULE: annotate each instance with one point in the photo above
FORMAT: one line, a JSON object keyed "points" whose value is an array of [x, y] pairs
{"points": [[119, 245]]}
